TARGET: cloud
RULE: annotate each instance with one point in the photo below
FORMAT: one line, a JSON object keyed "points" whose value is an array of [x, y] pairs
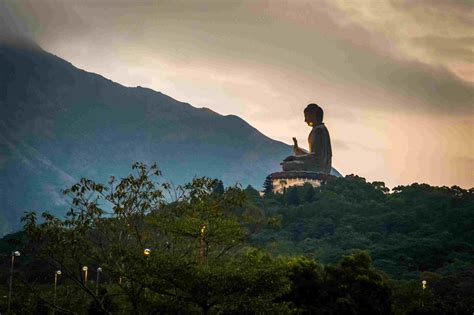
{"points": [[337, 47], [459, 49], [379, 45], [437, 33]]}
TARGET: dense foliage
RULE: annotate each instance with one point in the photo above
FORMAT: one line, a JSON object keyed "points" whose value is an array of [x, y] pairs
{"points": [[203, 248], [413, 232], [413, 229]]}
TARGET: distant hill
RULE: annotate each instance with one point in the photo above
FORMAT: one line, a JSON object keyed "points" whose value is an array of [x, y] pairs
{"points": [[59, 123]]}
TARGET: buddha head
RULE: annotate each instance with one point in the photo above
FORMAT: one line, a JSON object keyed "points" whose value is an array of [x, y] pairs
{"points": [[313, 115]]}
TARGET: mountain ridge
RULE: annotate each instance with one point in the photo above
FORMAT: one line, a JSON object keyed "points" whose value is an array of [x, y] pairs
{"points": [[60, 123]]}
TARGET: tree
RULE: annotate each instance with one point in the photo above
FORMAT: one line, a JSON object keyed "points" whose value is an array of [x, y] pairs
{"points": [[291, 196], [356, 280], [308, 192], [268, 185], [351, 287], [306, 285], [195, 258], [218, 187], [381, 186]]}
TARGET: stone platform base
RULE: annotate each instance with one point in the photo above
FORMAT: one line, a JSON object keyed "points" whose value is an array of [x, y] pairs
{"points": [[282, 180]]}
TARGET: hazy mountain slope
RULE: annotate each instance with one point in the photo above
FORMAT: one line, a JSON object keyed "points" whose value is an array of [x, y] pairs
{"points": [[59, 123]]}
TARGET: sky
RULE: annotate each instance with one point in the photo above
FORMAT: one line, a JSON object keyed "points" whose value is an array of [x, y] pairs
{"points": [[395, 78]]}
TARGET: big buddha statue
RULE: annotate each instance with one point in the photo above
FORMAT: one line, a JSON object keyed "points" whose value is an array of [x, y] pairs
{"points": [[318, 158]]}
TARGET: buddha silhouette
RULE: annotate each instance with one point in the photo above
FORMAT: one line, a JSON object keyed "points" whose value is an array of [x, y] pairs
{"points": [[319, 157]]}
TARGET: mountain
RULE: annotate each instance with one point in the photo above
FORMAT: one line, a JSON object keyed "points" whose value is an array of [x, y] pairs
{"points": [[59, 123]]}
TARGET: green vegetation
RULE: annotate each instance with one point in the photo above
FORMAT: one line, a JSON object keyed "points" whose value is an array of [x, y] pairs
{"points": [[415, 228], [415, 232], [205, 249]]}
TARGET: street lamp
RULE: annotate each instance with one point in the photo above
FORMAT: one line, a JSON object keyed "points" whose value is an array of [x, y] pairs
{"points": [[14, 254], [202, 247], [99, 270], [423, 288], [147, 252], [85, 274], [56, 275]]}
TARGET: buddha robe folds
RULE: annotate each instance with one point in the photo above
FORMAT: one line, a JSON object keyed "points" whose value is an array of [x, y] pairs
{"points": [[318, 159]]}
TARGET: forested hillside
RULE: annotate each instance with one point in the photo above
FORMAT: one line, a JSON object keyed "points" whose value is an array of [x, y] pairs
{"points": [[412, 229], [348, 247]]}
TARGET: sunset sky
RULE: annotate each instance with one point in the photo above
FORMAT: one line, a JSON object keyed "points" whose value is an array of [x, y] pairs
{"points": [[395, 78]]}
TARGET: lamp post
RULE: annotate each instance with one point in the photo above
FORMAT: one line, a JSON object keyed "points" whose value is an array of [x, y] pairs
{"points": [[56, 275], [202, 247], [85, 269], [147, 252], [14, 254], [99, 270], [423, 288]]}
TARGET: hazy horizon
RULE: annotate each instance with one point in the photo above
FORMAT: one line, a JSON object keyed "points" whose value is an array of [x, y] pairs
{"points": [[395, 79]]}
